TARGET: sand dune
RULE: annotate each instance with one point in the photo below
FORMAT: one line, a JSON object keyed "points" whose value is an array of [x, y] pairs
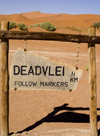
{"points": [[61, 20], [37, 14], [18, 18], [82, 20]]}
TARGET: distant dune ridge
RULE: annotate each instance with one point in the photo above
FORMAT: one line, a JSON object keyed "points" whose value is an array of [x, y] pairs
{"points": [[60, 20]]}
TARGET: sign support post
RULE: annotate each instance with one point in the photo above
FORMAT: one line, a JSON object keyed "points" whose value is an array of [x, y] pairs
{"points": [[92, 85], [4, 83]]}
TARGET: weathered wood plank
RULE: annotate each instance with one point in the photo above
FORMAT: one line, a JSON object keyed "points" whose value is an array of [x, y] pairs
{"points": [[49, 36], [92, 86], [4, 84]]}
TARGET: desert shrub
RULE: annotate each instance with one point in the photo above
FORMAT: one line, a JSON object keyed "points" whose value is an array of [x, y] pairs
{"points": [[42, 25], [72, 28], [12, 24], [99, 23], [86, 68], [96, 25], [22, 26], [36, 25], [31, 25], [48, 26]]}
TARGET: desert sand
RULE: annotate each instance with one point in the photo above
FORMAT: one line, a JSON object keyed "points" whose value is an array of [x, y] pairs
{"points": [[53, 113], [60, 20]]}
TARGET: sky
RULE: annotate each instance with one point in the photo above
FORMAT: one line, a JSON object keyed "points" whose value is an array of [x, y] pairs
{"points": [[50, 6]]}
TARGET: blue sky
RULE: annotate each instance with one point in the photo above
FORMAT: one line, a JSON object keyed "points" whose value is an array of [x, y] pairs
{"points": [[50, 6]]}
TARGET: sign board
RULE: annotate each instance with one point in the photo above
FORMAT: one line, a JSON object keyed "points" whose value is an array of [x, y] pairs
{"points": [[30, 71]]}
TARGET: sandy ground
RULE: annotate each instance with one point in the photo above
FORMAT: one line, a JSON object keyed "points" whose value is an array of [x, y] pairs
{"points": [[53, 113]]}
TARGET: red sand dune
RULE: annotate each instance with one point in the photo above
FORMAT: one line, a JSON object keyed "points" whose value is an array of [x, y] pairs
{"points": [[18, 18], [61, 20], [37, 14], [82, 20]]}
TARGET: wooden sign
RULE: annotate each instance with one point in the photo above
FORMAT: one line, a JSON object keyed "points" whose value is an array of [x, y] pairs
{"points": [[30, 71]]}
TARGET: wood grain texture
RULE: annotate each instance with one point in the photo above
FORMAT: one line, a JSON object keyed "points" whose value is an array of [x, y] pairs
{"points": [[49, 36], [4, 84], [92, 85]]}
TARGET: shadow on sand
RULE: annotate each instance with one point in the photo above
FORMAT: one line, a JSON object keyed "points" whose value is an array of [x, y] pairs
{"points": [[68, 116]]}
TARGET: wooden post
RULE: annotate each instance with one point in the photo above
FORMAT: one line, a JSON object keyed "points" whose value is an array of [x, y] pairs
{"points": [[4, 83], [92, 85]]}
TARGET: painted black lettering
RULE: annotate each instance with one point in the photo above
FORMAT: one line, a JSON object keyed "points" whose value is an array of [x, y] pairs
{"points": [[45, 70], [66, 84], [58, 84], [57, 70], [30, 83], [31, 70], [62, 84], [50, 71], [23, 70], [63, 71], [53, 84], [19, 83], [16, 82], [26, 83], [37, 70], [34, 83], [50, 83], [16, 70], [22, 84], [46, 84], [73, 79], [41, 83], [73, 73], [76, 79]]}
